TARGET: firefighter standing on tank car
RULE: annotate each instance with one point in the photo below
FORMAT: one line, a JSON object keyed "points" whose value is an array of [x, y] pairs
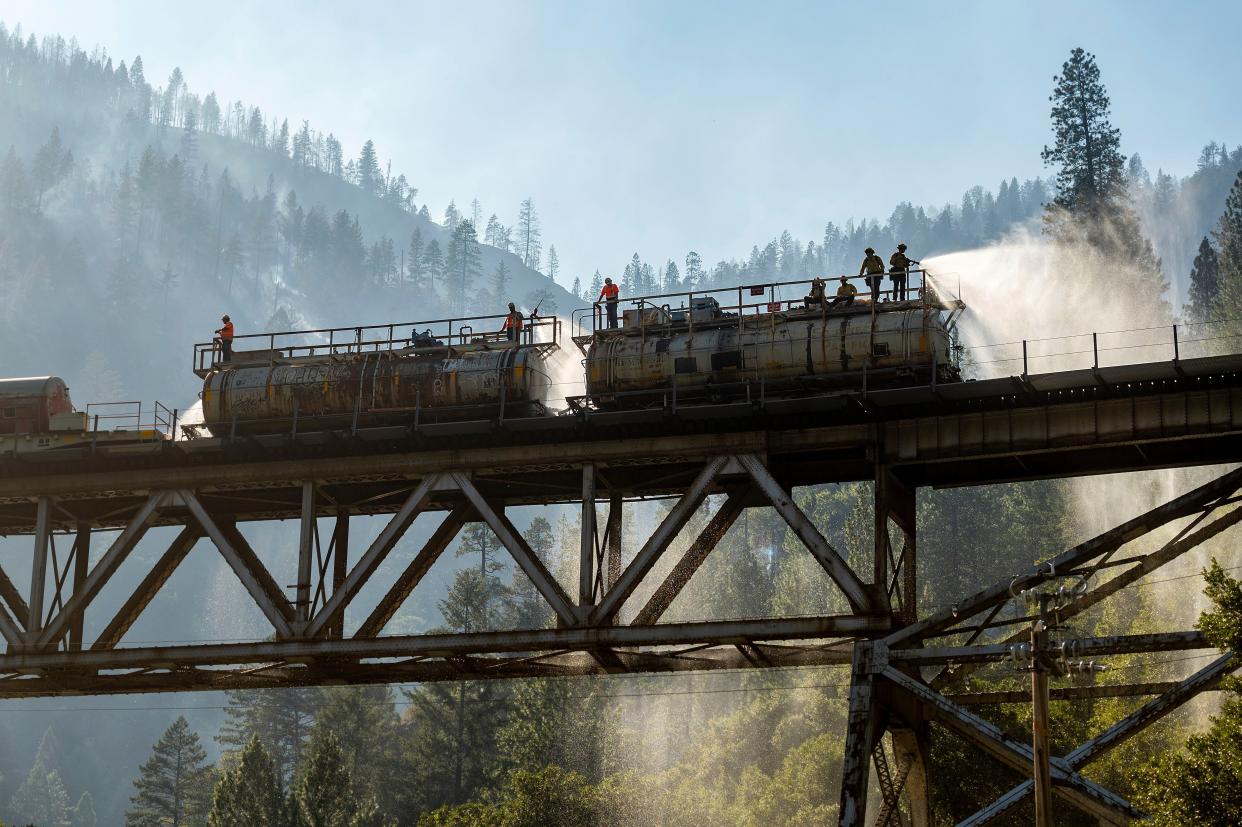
{"points": [[610, 295], [873, 269], [513, 323], [899, 271], [224, 337]]}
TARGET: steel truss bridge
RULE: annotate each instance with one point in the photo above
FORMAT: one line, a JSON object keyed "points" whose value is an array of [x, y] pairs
{"points": [[1157, 415]]}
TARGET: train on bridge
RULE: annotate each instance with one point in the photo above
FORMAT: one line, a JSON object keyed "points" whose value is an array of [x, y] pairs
{"points": [[665, 352]]}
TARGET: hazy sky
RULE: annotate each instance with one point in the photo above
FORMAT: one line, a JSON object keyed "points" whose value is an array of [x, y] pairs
{"points": [[659, 127]]}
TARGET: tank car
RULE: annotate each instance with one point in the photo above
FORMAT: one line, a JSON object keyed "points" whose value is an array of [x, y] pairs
{"points": [[374, 388], [707, 353]]}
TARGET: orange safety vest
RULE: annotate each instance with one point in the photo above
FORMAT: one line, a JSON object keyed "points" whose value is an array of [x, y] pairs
{"points": [[610, 292], [226, 332], [513, 321]]}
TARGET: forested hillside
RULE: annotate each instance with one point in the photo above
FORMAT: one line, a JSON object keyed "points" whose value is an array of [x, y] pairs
{"points": [[133, 212]]}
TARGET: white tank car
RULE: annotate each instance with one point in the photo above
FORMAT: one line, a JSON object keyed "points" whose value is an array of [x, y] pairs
{"points": [[777, 354]]}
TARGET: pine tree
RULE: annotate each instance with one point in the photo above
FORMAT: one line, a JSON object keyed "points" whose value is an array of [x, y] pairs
{"points": [[500, 281], [368, 171], [433, 261], [1228, 237], [249, 794], [42, 798], [1204, 283], [528, 234], [414, 260], [281, 718], [452, 216], [554, 263], [170, 788], [476, 213], [1091, 205], [322, 797], [462, 265], [363, 722]]}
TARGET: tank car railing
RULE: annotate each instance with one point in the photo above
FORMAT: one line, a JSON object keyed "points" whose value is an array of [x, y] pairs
{"points": [[447, 333], [659, 307]]}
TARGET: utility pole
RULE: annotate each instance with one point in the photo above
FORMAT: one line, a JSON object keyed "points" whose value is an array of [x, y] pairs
{"points": [[1044, 657]]}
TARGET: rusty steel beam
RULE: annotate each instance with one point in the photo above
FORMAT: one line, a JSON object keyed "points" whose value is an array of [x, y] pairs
{"points": [[691, 560], [11, 597], [466, 643], [333, 610], [863, 731], [829, 558], [1179, 693], [279, 674], [340, 564], [38, 567], [1083, 647], [1069, 785], [103, 570], [414, 572], [542, 579], [146, 591], [658, 543], [253, 575], [1108, 541], [1065, 693], [9, 628], [81, 570]]}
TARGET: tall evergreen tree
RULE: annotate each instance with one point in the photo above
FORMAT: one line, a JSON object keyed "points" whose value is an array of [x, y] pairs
{"points": [[1229, 242], [1204, 283], [462, 265], [554, 263], [42, 798], [529, 244], [172, 785], [249, 794], [1091, 204], [500, 282], [279, 717], [362, 721], [368, 171]]}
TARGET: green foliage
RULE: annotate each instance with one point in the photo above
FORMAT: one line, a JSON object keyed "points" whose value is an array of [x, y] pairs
{"points": [[1229, 242], [363, 722], [1204, 282], [557, 722], [1202, 784], [248, 795], [549, 797], [279, 718], [173, 785]]}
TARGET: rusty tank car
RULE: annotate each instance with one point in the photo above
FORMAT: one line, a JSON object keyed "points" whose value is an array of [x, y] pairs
{"points": [[705, 353], [371, 380]]}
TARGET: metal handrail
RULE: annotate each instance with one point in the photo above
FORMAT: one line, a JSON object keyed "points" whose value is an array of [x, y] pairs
{"points": [[449, 332], [664, 300]]}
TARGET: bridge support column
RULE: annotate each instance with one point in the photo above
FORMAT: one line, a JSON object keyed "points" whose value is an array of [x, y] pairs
{"points": [[895, 551], [586, 558], [38, 568], [340, 565], [863, 731], [612, 536], [81, 567]]}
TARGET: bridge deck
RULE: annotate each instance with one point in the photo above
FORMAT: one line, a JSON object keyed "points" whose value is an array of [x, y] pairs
{"points": [[1017, 428]]}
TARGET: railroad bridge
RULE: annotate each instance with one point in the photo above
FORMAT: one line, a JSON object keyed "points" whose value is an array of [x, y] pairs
{"points": [[754, 453]]}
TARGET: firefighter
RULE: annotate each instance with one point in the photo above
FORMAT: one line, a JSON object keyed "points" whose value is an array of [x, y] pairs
{"points": [[224, 338], [845, 294], [610, 296], [513, 323], [899, 271], [816, 297], [873, 269]]}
